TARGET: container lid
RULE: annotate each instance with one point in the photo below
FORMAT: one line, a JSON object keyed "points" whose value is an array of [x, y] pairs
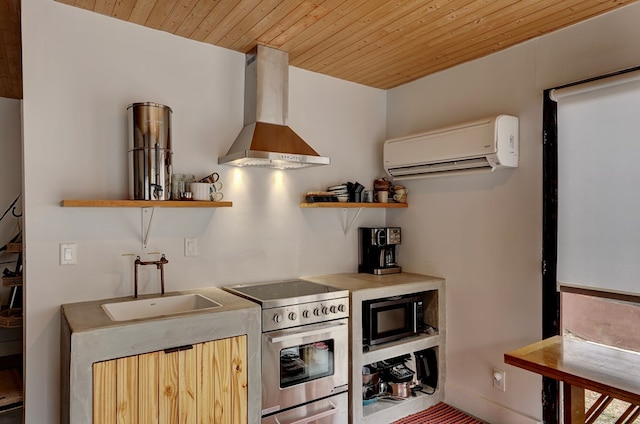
{"points": [[150, 104]]}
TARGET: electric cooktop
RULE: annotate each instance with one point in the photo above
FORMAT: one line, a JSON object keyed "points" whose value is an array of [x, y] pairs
{"points": [[287, 292]]}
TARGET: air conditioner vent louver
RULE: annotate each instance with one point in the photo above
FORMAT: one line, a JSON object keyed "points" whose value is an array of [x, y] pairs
{"points": [[455, 165]]}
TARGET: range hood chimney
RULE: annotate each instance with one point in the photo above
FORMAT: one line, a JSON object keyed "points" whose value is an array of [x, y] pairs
{"points": [[266, 140]]}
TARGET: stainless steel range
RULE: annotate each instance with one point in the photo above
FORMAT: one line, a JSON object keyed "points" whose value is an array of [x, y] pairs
{"points": [[305, 343]]}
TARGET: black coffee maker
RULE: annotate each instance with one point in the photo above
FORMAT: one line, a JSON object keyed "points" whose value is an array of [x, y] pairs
{"points": [[378, 250]]}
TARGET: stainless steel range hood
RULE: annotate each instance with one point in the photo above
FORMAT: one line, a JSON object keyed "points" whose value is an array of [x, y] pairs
{"points": [[266, 140]]}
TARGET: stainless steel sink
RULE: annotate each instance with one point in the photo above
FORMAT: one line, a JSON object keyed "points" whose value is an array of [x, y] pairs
{"points": [[158, 306]]}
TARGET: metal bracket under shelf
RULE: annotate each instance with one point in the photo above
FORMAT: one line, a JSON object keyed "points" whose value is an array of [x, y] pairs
{"points": [[146, 219], [346, 222]]}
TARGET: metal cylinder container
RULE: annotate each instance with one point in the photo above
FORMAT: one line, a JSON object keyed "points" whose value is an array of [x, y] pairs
{"points": [[149, 151]]}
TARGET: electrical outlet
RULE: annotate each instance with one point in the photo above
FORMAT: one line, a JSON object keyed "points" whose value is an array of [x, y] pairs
{"points": [[190, 246], [499, 380], [68, 254]]}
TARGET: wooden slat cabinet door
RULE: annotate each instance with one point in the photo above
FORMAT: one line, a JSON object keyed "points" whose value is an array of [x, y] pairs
{"points": [[148, 393], [201, 384], [104, 392], [187, 383], [206, 374], [168, 387], [239, 378], [222, 383], [127, 390]]}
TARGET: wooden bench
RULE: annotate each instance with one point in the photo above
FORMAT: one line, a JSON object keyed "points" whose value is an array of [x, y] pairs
{"points": [[581, 365]]}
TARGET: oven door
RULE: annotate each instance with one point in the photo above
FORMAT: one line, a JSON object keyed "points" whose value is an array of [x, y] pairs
{"points": [[303, 364]]}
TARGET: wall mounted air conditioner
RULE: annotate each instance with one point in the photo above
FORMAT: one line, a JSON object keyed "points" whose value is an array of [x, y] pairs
{"points": [[482, 145]]}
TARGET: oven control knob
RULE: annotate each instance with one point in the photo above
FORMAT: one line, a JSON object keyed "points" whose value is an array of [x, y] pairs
{"points": [[305, 314], [341, 308], [316, 312], [333, 309], [293, 316], [277, 318], [325, 310]]}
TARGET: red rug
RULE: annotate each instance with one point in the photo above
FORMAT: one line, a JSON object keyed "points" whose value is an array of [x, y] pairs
{"points": [[439, 414]]}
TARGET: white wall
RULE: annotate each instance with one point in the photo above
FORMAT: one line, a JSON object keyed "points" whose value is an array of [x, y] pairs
{"points": [[81, 70], [483, 232]]}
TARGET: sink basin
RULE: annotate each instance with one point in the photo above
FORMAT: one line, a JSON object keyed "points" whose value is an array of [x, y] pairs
{"points": [[158, 306]]}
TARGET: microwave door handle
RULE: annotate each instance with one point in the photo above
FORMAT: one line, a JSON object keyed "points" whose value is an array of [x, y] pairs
{"points": [[313, 418], [315, 332], [415, 318]]}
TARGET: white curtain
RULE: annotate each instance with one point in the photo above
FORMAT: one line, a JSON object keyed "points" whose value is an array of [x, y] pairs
{"points": [[599, 184]]}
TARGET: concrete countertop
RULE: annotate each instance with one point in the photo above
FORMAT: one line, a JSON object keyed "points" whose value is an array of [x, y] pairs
{"points": [[89, 315], [355, 282], [88, 335]]}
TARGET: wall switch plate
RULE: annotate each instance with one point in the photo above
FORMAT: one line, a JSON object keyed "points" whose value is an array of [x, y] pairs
{"points": [[190, 246], [68, 254], [499, 380]]}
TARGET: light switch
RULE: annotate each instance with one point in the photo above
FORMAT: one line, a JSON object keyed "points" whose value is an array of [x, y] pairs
{"points": [[68, 254], [190, 246]]}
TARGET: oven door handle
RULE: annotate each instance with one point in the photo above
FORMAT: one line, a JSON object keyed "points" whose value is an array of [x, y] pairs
{"points": [[297, 335], [310, 419]]}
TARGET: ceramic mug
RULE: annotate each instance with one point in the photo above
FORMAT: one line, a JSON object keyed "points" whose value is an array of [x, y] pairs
{"points": [[383, 196], [368, 196], [216, 195], [201, 191], [206, 191]]}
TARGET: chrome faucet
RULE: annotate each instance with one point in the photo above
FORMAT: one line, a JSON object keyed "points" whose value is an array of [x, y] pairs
{"points": [[159, 264]]}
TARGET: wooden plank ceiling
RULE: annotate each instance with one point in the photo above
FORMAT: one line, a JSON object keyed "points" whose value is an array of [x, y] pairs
{"points": [[379, 43]]}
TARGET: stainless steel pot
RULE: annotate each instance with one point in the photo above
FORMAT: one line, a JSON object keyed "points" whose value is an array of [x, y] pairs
{"points": [[149, 151], [371, 378], [402, 390]]}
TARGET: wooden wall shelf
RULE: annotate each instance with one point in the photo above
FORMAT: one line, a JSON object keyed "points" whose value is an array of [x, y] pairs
{"points": [[352, 205], [143, 204]]}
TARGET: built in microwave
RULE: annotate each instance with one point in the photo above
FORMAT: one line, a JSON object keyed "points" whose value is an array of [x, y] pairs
{"points": [[392, 318]]}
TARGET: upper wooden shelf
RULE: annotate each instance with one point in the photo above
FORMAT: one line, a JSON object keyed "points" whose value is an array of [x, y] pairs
{"points": [[352, 205], [144, 204]]}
